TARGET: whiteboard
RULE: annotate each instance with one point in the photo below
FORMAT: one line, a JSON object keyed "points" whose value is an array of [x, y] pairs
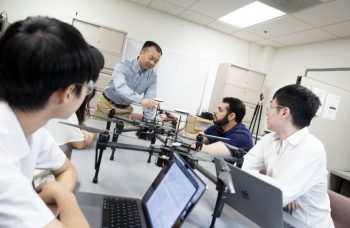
{"points": [[181, 78], [334, 134]]}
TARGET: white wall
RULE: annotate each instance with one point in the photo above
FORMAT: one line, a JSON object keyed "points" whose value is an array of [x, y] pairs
{"points": [[289, 62], [143, 23]]}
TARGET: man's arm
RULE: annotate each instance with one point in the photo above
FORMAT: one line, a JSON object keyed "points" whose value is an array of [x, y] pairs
{"points": [[66, 175], [71, 215], [217, 148]]}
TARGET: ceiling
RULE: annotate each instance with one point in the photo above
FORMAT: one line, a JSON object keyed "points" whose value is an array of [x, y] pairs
{"points": [[328, 19]]}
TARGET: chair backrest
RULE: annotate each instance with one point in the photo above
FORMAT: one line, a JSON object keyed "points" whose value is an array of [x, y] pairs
{"points": [[340, 209], [136, 116]]}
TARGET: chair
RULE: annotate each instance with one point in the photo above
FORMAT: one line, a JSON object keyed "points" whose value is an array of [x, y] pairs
{"points": [[136, 116], [340, 206]]}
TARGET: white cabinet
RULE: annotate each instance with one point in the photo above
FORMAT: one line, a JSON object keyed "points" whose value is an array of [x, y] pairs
{"points": [[110, 42], [238, 82]]}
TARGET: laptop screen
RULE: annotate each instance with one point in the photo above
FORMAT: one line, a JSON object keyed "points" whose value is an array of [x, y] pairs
{"points": [[197, 195], [170, 194]]}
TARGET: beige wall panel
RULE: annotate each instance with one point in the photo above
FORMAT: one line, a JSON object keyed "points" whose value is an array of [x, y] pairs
{"points": [[89, 31], [103, 81], [255, 80], [111, 40]]}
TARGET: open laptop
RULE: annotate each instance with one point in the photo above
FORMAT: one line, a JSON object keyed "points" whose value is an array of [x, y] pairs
{"points": [[167, 202], [259, 201]]}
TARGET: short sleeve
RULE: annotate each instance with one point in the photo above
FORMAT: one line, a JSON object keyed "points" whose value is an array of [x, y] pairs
{"points": [[62, 133], [20, 206], [209, 130], [50, 156]]}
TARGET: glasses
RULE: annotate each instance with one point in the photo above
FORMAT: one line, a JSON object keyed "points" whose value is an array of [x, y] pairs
{"points": [[270, 105], [89, 87]]}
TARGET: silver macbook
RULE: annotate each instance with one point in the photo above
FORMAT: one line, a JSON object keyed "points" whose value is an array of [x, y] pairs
{"points": [[259, 201]]}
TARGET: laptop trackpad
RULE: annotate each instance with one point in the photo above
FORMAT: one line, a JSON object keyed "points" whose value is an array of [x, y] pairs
{"points": [[91, 214]]}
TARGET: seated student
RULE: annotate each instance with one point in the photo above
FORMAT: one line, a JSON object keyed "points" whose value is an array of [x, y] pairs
{"points": [[294, 160], [45, 66], [227, 124], [79, 139]]}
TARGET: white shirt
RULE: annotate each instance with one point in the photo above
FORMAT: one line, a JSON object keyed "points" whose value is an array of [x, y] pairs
{"points": [[63, 133], [300, 170], [20, 205]]}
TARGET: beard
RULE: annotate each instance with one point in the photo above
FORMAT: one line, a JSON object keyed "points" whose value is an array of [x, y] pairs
{"points": [[221, 122]]}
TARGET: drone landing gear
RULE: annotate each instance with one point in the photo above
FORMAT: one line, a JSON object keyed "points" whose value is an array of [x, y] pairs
{"points": [[153, 141], [220, 202], [118, 129], [103, 137]]}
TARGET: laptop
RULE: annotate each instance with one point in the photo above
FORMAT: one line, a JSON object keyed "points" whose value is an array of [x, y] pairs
{"points": [[259, 201], [167, 203]]}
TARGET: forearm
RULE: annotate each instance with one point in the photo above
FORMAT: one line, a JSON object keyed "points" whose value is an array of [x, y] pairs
{"points": [[70, 213], [68, 177], [78, 144], [217, 148]]}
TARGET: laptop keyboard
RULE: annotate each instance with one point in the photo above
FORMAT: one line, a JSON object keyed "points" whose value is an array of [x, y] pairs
{"points": [[287, 225], [120, 213]]}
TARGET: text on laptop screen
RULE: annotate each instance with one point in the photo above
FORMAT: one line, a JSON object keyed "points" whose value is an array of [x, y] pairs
{"points": [[170, 197]]}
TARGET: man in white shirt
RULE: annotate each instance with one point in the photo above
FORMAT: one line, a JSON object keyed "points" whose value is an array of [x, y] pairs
{"points": [[45, 69], [294, 160]]}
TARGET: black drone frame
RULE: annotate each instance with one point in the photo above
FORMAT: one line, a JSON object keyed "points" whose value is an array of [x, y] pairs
{"points": [[164, 152]]}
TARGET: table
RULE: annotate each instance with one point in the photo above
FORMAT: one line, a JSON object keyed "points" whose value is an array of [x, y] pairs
{"points": [[129, 175], [341, 176]]}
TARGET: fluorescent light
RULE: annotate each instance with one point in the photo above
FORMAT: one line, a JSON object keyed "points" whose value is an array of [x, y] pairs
{"points": [[251, 14]]}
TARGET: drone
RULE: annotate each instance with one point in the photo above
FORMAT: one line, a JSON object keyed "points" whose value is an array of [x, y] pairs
{"points": [[152, 129]]}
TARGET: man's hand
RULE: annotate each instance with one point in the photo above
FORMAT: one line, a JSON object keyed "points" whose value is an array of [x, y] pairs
{"points": [[149, 103], [47, 192], [88, 137], [291, 207]]}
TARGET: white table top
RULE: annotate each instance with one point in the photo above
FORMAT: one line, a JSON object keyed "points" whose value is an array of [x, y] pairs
{"points": [[129, 175], [342, 174]]}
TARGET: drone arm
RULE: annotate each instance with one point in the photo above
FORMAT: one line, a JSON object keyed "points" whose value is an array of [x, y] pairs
{"points": [[128, 129], [161, 138], [130, 147]]}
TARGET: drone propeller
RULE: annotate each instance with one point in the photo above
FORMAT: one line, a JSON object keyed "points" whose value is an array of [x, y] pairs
{"points": [[113, 120], [119, 110], [95, 130]]}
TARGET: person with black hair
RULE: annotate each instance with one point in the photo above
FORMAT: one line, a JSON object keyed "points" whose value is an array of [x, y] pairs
{"points": [[78, 138], [131, 79], [46, 69], [294, 160], [227, 124]]}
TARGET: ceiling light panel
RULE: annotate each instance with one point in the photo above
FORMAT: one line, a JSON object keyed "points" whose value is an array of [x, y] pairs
{"points": [[251, 14]]}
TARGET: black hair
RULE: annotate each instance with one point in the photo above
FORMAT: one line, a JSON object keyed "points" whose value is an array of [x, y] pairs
{"points": [[303, 103], [84, 109], [235, 106], [39, 56], [149, 44]]}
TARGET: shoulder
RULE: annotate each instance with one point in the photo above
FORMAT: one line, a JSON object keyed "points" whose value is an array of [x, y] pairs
{"points": [[124, 64], [212, 129], [311, 145]]}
